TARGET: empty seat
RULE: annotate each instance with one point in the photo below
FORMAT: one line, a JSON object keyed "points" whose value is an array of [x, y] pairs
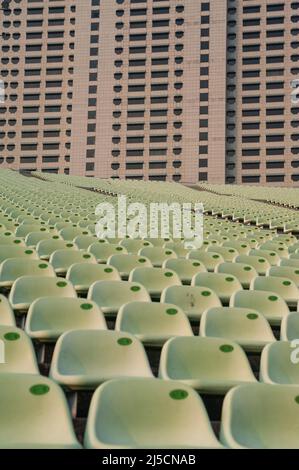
{"points": [[261, 416], [11, 241], [259, 263], [246, 326], [26, 289], [243, 247], [289, 329], [126, 263], [229, 254], [69, 233], [185, 268], [23, 229], [210, 259], [34, 414], [50, 317], [83, 359], [83, 275], [103, 251], [83, 242], [61, 260], [157, 255], [16, 251], [155, 279], [290, 262], [270, 255], [152, 322], [33, 238], [279, 248], [111, 295], [282, 286], [223, 285], [147, 414], [45, 248], [270, 304], [243, 272], [210, 365], [192, 300], [285, 271], [278, 365], [19, 353], [6, 313], [133, 246], [13, 268]]}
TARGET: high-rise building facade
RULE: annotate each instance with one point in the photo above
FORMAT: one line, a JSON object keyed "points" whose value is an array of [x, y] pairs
{"points": [[180, 90]]}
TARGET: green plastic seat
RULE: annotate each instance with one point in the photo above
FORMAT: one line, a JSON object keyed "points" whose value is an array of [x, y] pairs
{"points": [[12, 240], [50, 317], [245, 326], [133, 246], [229, 254], [24, 229], [193, 300], [282, 286], [209, 259], [259, 263], [277, 366], [126, 263], [242, 247], [18, 352], [294, 263], [33, 238], [289, 329], [271, 256], [6, 313], [157, 255], [178, 247], [185, 268], [243, 272], [16, 251], [83, 242], [61, 260], [26, 289], [210, 365], [111, 295], [157, 241], [34, 414], [102, 250], [155, 279], [83, 359], [285, 271], [223, 285], [45, 248], [147, 414], [269, 304], [261, 416], [13, 268], [280, 248], [83, 275], [153, 323]]}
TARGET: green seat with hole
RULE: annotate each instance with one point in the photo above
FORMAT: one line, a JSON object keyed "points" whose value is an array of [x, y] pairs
{"points": [[280, 363], [285, 271], [185, 268], [103, 250], [111, 295], [271, 256], [26, 289], [224, 285], [279, 247], [243, 247], [147, 414], [243, 272], [19, 355], [34, 414], [50, 317], [209, 259], [155, 279], [69, 233], [259, 263], [12, 240], [153, 322], [13, 268], [210, 365], [133, 246], [269, 304], [33, 238], [6, 313], [16, 251], [193, 300], [282, 286], [61, 260], [45, 248], [126, 263], [24, 229], [245, 326], [261, 416], [83, 359], [83, 242], [83, 275], [229, 254]]}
